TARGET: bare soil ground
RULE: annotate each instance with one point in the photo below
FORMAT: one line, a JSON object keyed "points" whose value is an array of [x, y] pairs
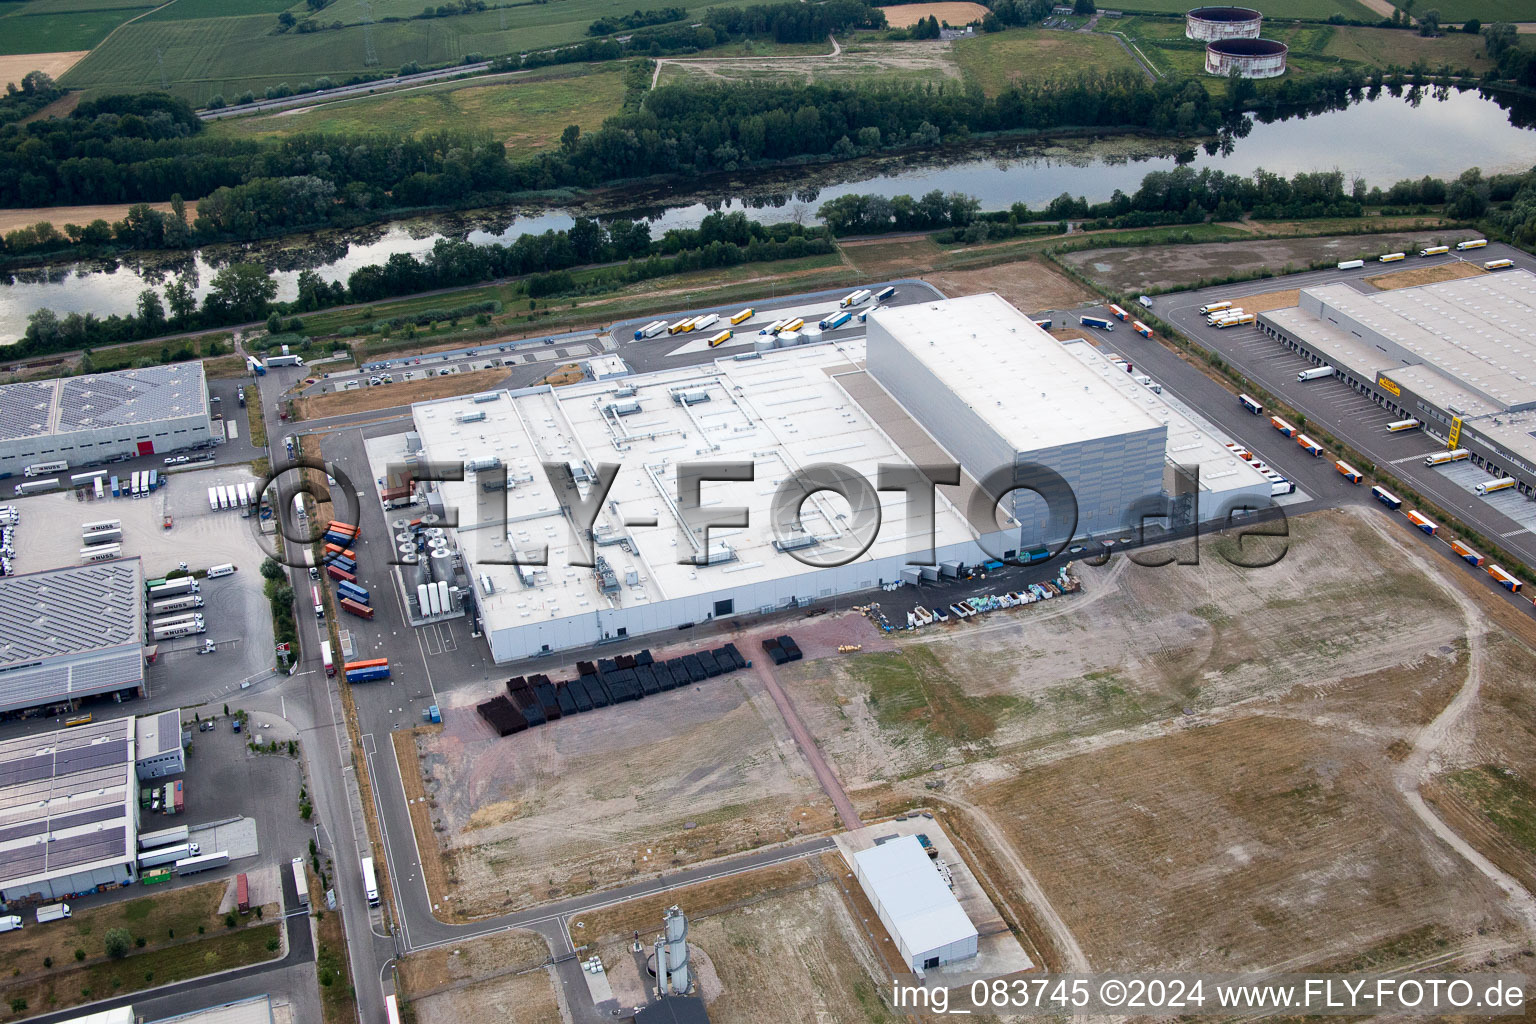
{"points": [[1137, 647], [58, 216], [1196, 762], [595, 800], [907, 15], [14, 67], [787, 943], [899, 62], [1424, 275], [886, 258], [1283, 299], [493, 978], [389, 396], [1175, 266], [1028, 284]]}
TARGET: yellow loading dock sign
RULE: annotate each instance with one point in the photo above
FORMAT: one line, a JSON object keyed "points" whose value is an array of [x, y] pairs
{"points": [[1387, 385], [1455, 438]]}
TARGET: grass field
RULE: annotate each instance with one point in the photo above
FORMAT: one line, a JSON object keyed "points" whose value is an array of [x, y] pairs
{"points": [[997, 59], [51, 26], [1276, 9], [187, 10], [526, 114], [1455, 11], [229, 55]]}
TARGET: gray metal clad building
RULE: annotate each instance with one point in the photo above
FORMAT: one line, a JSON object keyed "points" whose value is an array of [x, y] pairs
{"points": [[90, 419], [68, 812], [70, 633], [998, 392], [161, 746], [1459, 356]]}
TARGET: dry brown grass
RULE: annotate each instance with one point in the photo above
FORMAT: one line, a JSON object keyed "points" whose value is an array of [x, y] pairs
{"points": [[432, 867], [498, 977], [700, 901], [892, 258], [391, 396], [1270, 300], [1028, 284], [569, 373], [1424, 275], [907, 15]]}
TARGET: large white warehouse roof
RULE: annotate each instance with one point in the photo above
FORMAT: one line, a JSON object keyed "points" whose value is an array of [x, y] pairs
{"points": [[1017, 378]]}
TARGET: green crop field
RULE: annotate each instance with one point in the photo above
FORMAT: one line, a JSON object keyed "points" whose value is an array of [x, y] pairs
{"points": [[993, 60], [1279, 9], [52, 26], [1457, 11], [230, 55], [188, 10], [527, 115]]}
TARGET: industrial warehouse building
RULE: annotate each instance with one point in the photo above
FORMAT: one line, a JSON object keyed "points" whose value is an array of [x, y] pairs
{"points": [[71, 633], [1023, 397], [1459, 356], [915, 904], [103, 416], [68, 811]]}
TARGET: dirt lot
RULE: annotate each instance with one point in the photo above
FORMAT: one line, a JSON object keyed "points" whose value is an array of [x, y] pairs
{"points": [[1197, 763], [390, 396], [592, 801], [889, 63], [1028, 284], [14, 67], [1179, 266], [1424, 275], [496, 978], [892, 257], [907, 15]]}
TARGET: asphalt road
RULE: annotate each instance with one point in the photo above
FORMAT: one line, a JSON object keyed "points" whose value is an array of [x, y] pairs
{"points": [[345, 92]]}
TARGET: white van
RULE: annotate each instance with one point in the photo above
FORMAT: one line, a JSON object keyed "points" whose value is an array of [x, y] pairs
{"points": [[10, 924], [227, 569]]}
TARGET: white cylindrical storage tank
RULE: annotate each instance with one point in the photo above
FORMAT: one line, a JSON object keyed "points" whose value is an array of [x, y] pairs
{"points": [[789, 339], [1208, 23], [430, 519], [406, 548], [421, 600], [444, 603], [401, 524], [1251, 58], [403, 537], [762, 343], [436, 531]]}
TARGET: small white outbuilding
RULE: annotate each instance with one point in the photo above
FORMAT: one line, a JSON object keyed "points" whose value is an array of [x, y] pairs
{"points": [[915, 904]]}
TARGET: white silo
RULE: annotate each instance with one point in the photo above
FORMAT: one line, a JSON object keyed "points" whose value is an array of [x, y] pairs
{"points": [[421, 600], [444, 602], [675, 931]]}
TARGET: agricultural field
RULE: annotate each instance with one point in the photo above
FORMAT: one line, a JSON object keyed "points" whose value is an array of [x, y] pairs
{"points": [[997, 60], [907, 15], [230, 55], [192, 10], [1219, 750], [1456, 11], [1313, 10], [14, 67], [527, 113], [60, 26], [566, 808]]}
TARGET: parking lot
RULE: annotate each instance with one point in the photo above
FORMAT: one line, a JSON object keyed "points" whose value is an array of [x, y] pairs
{"points": [[1343, 412]]}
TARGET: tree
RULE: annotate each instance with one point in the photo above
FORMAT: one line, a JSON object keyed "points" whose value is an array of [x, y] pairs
{"points": [[286, 20], [117, 942], [274, 322], [569, 137], [1083, 7], [151, 312], [182, 302], [1497, 38], [1472, 26], [271, 569], [1429, 23], [241, 292]]}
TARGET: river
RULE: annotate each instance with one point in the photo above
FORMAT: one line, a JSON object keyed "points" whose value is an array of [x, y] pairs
{"points": [[1382, 140]]}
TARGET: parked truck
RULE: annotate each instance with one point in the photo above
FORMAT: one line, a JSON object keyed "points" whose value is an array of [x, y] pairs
{"points": [[835, 321], [202, 862], [175, 604], [1096, 322], [288, 360], [169, 588], [160, 633], [44, 468], [164, 855], [1315, 373], [164, 837], [52, 912]]}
